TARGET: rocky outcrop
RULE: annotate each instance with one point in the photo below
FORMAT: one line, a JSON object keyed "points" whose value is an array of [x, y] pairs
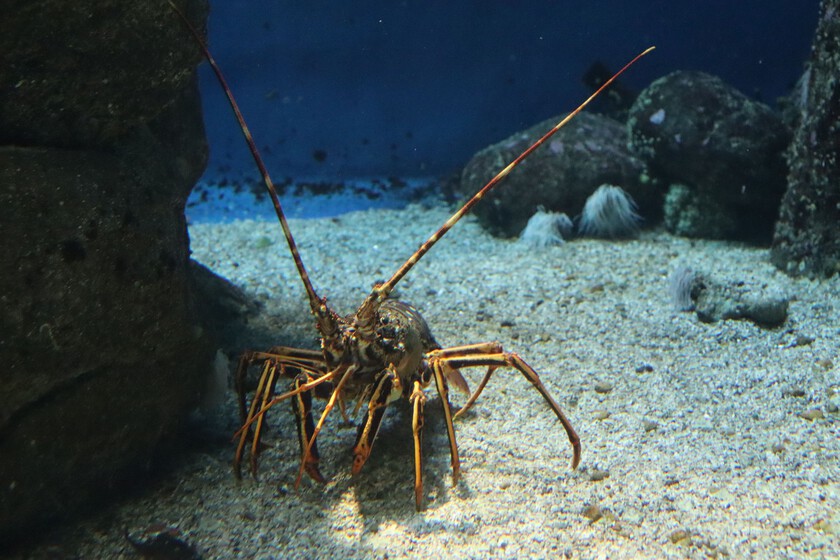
{"points": [[720, 151], [101, 140], [587, 153], [807, 237]]}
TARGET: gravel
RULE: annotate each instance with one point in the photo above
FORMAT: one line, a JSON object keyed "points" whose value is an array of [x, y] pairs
{"points": [[705, 443]]}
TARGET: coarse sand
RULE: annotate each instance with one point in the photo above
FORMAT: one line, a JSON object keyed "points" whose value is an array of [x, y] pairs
{"points": [[699, 440]]}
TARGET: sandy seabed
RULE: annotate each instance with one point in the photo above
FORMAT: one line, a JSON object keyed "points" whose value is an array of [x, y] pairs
{"points": [[699, 440]]}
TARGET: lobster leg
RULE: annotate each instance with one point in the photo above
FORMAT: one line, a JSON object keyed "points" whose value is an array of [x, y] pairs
{"points": [[279, 361], [345, 371], [302, 406], [418, 402], [270, 377], [439, 369], [304, 360], [265, 388], [382, 394], [245, 361], [493, 356]]}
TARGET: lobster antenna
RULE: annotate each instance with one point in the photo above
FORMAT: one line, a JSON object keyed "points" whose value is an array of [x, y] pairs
{"points": [[314, 301], [382, 291]]}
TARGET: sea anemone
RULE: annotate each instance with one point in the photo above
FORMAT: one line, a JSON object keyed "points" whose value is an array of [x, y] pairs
{"points": [[683, 284], [545, 229], [609, 212]]}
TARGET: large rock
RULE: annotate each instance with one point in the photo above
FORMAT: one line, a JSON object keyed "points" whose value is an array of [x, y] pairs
{"points": [[84, 73], [587, 153], [807, 236], [102, 140], [721, 151]]}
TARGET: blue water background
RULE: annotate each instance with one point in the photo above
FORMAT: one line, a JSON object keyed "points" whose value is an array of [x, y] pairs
{"points": [[349, 91]]}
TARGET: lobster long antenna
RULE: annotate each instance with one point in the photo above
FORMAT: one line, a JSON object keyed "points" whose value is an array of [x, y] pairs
{"points": [[382, 291], [314, 301]]}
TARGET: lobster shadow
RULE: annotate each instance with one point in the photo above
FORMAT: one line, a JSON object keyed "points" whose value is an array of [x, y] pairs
{"points": [[384, 490]]}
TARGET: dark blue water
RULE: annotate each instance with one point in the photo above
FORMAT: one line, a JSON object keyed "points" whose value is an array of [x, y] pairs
{"points": [[348, 90]]}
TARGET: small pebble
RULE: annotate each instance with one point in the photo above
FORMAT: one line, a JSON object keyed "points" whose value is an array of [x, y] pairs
{"points": [[778, 448], [649, 425], [825, 526], [598, 475], [593, 513], [825, 363], [601, 415], [603, 388], [263, 242], [680, 537], [811, 415]]}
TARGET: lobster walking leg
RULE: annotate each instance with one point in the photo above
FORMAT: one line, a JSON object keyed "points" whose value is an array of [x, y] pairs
{"points": [[302, 406], [265, 389], [270, 380], [278, 362], [439, 370], [493, 356], [346, 372], [384, 387], [418, 403]]}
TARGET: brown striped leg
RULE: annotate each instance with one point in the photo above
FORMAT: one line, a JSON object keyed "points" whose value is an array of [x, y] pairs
{"points": [[439, 370], [278, 362], [265, 388], [380, 397], [311, 361], [418, 402], [302, 406], [345, 372], [270, 376], [493, 356]]}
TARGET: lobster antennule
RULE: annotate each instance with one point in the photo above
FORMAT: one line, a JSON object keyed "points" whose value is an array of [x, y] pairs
{"points": [[315, 302], [381, 291]]}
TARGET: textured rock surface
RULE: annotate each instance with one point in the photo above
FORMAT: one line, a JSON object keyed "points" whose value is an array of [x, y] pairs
{"points": [[87, 72], [807, 236], [693, 129], [693, 213], [590, 151], [102, 354], [719, 300]]}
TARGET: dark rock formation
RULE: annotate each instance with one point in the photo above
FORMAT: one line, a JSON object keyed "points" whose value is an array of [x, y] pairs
{"points": [[101, 140], [589, 152], [715, 299], [85, 73], [807, 236], [718, 300], [723, 149]]}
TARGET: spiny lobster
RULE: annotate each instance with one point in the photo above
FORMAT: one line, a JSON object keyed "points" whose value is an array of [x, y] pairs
{"points": [[383, 352]]}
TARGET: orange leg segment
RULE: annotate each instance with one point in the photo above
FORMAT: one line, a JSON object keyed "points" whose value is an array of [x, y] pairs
{"points": [[493, 356]]}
